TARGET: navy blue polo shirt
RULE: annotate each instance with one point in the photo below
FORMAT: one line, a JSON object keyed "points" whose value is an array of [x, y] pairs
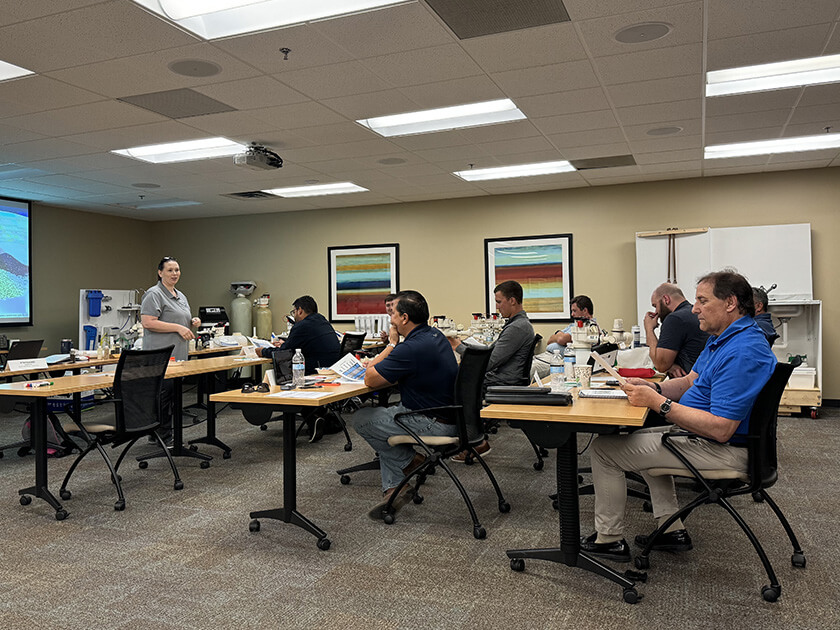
{"points": [[424, 366], [316, 338], [732, 370]]}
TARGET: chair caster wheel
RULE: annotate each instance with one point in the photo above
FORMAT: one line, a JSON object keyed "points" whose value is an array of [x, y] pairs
{"points": [[119, 506], [539, 465], [417, 498], [504, 507], [25, 499], [204, 465], [798, 559], [178, 485], [517, 564], [421, 479], [65, 495], [1, 454], [263, 427], [254, 526], [389, 519], [193, 448], [642, 562], [480, 533], [23, 452], [631, 596], [61, 515], [323, 544], [757, 497], [555, 504], [543, 452], [143, 465], [348, 447], [226, 455], [469, 461], [344, 479], [647, 506], [771, 593]]}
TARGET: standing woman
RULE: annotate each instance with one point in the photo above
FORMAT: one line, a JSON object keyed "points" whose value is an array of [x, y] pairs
{"points": [[166, 319]]}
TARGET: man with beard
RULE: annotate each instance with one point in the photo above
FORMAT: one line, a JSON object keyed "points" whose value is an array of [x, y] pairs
{"points": [[680, 339]]}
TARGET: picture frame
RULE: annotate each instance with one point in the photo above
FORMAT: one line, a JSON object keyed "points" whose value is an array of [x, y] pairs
{"points": [[541, 264], [359, 277]]}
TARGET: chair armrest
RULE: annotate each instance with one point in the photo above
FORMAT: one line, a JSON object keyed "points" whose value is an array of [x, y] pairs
{"points": [[666, 442]]}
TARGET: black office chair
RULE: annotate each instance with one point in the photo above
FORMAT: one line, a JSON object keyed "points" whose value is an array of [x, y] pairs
{"points": [[718, 486], [466, 412], [137, 386], [352, 341]]}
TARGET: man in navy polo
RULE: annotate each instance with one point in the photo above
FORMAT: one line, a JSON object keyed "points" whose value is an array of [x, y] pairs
{"points": [[424, 367], [714, 400]]}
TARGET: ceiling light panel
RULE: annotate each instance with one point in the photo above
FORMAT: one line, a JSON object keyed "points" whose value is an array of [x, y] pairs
{"points": [[212, 19], [340, 188], [517, 170], [777, 145], [11, 71], [774, 76], [445, 118], [203, 149]]}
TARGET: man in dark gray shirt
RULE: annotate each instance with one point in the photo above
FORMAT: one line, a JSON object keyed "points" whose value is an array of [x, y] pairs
{"points": [[512, 351], [680, 339]]}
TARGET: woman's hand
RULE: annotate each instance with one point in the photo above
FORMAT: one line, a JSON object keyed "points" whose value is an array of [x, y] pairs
{"points": [[186, 333], [196, 322]]}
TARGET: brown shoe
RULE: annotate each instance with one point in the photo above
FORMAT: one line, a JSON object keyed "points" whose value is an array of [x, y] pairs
{"points": [[378, 512], [482, 449], [418, 459]]}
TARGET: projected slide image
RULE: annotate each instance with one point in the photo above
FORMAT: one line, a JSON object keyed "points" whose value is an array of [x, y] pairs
{"points": [[14, 263]]}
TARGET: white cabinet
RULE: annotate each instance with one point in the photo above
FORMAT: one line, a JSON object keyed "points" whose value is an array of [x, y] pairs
{"points": [[799, 324]]}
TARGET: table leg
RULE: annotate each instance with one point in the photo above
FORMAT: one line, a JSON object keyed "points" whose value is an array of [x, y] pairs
{"points": [[288, 513], [38, 439], [569, 552], [211, 438]]}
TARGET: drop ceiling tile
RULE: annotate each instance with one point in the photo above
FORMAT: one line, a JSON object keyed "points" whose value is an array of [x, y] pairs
{"points": [[227, 124], [695, 166], [309, 49], [559, 77], [565, 141], [747, 103], [667, 143], [820, 95], [636, 133], [106, 30], [767, 47], [426, 65], [385, 31], [38, 93], [659, 114], [136, 135], [297, 115], [586, 9], [454, 92], [576, 122], [818, 115], [372, 105], [668, 157], [79, 164], [366, 148], [596, 151], [685, 20], [742, 135], [810, 129], [80, 184], [739, 162], [651, 64], [792, 166], [825, 156], [338, 79], [559, 103], [337, 133], [82, 118], [21, 11], [253, 93], [432, 140], [730, 19], [495, 133], [516, 50], [753, 120], [37, 149], [656, 91], [12, 135]]}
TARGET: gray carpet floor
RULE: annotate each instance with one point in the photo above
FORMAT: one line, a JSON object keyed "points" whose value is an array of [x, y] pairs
{"points": [[186, 559]]}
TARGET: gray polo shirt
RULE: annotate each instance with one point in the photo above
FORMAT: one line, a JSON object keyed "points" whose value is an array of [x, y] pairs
{"points": [[159, 302], [511, 352]]}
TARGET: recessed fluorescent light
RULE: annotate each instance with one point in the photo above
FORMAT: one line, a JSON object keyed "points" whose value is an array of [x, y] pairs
{"points": [[10, 71], [161, 203], [212, 19], [779, 145], [517, 170], [340, 188], [444, 118], [184, 151], [774, 76]]}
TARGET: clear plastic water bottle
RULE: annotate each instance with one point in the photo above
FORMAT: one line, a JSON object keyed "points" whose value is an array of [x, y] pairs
{"points": [[298, 369], [556, 371], [569, 363]]}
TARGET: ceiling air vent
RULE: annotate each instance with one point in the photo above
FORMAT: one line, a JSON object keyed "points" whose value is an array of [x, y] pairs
{"points": [[611, 161], [252, 194], [468, 18], [181, 103]]}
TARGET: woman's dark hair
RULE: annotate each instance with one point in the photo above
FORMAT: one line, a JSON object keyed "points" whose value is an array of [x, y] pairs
{"points": [[163, 261], [414, 305], [725, 283]]}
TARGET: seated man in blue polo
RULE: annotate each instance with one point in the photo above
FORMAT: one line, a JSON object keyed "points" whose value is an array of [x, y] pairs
{"points": [[714, 400], [424, 367]]}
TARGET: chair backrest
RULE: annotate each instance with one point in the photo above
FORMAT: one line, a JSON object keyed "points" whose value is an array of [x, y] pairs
{"points": [[25, 349], [468, 390], [352, 341], [526, 368], [137, 386], [761, 439]]}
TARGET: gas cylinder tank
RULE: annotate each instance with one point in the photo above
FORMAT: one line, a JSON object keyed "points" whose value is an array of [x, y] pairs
{"points": [[262, 319], [240, 315]]}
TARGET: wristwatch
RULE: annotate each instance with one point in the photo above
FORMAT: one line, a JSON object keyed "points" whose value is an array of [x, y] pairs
{"points": [[393, 345], [665, 407], [658, 388]]}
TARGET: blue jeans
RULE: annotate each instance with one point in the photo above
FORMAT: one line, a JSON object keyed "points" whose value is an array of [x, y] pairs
{"points": [[376, 425]]}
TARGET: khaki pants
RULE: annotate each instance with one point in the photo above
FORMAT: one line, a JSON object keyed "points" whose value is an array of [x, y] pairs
{"points": [[640, 451]]}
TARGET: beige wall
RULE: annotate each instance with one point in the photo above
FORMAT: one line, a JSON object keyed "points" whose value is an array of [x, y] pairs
{"points": [[79, 250], [441, 245]]}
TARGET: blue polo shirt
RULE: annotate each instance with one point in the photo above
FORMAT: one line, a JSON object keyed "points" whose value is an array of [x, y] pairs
{"points": [[425, 368], [732, 369]]}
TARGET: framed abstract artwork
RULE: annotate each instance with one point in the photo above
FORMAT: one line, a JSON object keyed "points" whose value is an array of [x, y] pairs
{"points": [[541, 264], [360, 276]]}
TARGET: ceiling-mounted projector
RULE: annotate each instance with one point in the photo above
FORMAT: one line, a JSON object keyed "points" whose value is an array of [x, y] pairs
{"points": [[258, 158]]}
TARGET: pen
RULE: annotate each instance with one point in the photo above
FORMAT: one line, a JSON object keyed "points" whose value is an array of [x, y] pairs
{"points": [[39, 384]]}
